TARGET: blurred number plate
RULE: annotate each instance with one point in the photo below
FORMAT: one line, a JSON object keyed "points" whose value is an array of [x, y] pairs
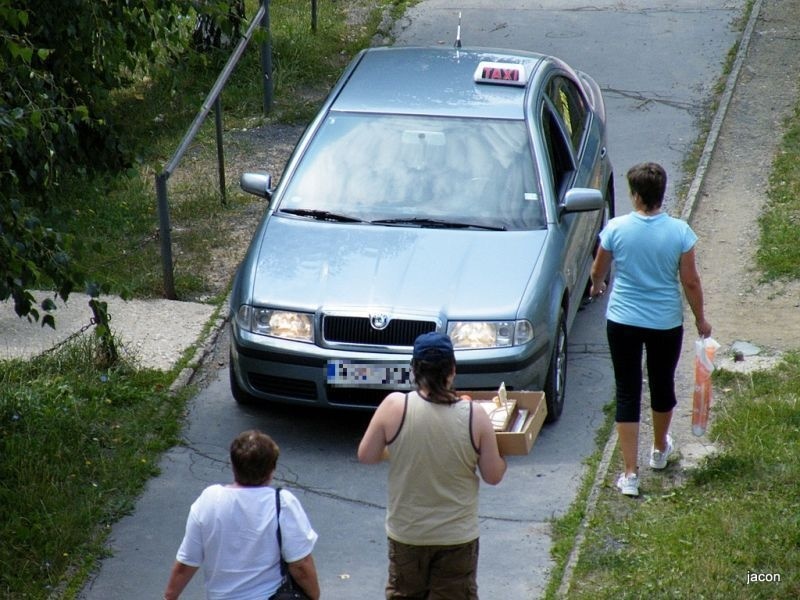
{"points": [[375, 375]]}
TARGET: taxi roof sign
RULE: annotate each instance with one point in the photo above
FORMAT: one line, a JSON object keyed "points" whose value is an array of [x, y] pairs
{"points": [[501, 73]]}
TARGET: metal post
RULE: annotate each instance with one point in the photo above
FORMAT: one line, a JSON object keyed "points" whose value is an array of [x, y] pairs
{"points": [[261, 19], [165, 236], [314, 16], [220, 152], [266, 59], [109, 348]]}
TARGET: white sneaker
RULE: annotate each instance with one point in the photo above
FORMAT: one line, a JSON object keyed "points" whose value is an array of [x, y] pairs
{"points": [[658, 459], [628, 484]]}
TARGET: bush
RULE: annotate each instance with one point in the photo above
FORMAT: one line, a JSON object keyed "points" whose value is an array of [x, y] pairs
{"points": [[59, 62]]}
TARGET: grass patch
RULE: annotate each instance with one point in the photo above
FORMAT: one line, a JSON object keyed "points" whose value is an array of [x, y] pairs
{"points": [[735, 516], [77, 445], [779, 248]]}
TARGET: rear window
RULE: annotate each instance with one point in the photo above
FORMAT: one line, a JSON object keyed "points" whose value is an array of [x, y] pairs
{"points": [[375, 167]]}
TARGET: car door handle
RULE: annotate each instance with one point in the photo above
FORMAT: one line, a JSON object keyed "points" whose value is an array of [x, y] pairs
{"points": [[603, 152]]}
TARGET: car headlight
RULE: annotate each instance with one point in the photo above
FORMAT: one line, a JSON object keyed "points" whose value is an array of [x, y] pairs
{"points": [[489, 334], [276, 323]]}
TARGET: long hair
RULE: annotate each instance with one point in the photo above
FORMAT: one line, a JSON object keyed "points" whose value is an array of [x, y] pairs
{"points": [[432, 375]]}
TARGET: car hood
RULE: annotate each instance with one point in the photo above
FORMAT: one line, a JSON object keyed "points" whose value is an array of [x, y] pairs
{"points": [[312, 266]]}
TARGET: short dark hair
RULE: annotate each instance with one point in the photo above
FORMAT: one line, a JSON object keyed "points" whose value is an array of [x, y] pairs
{"points": [[253, 457], [649, 181]]}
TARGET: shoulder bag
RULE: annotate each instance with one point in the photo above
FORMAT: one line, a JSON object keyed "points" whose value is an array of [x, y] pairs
{"points": [[288, 590]]}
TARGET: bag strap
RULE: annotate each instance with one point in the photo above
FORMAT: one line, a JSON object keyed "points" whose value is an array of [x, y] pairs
{"points": [[278, 522]]}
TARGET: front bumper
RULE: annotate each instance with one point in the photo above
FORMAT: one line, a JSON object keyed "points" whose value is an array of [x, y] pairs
{"points": [[298, 373]]}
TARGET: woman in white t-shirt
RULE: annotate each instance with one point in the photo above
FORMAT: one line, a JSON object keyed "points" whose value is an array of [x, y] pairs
{"points": [[231, 531], [653, 255]]}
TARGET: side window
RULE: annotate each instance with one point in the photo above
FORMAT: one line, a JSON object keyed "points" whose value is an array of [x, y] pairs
{"points": [[558, 151], [571, 107]]}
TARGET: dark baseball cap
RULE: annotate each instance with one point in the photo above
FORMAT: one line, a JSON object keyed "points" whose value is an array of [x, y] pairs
{"points": [[433, 346]]}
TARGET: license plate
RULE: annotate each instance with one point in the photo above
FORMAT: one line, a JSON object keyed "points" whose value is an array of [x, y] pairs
{"points": [[346, 373]]}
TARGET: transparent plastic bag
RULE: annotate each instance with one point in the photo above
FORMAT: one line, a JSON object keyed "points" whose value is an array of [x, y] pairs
{"points": [[705, 350]]}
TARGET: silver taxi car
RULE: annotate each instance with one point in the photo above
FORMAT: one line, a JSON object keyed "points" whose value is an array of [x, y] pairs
{"points": [[454, 190]]}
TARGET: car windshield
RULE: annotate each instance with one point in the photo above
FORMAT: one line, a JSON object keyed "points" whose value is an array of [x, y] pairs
{"points": [[418, 171]]}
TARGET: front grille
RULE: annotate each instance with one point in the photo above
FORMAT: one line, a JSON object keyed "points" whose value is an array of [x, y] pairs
{"points": [[357, 330]]}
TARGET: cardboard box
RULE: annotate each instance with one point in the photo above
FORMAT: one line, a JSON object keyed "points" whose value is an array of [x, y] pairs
{"points": [[517, 443]]}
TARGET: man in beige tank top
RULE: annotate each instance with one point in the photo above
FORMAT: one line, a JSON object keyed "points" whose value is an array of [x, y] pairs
{"points": [[436, 445]]}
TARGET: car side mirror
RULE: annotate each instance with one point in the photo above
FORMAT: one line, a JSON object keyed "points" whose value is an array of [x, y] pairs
{"points": [[581, 200], [259, 184]]}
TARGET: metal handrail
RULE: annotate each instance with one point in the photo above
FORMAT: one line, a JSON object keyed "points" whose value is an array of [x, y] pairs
{"points": [[261, 19]]}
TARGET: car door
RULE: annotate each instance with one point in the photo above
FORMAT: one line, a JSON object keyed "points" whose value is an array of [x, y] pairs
{"points": [[572, 109], [565, 120], [562, 171], [586, 134]]}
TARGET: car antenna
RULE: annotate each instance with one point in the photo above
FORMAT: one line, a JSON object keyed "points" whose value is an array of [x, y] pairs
{"points": [[458, 32]]}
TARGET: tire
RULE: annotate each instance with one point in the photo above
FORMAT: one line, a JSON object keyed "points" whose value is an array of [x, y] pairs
{"points": [[555, 385], [241, 396]]}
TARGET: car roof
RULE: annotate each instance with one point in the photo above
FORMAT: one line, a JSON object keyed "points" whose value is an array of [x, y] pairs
{"points": [[434, 81]]}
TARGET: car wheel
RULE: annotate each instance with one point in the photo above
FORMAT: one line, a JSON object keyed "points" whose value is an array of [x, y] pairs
{"points": [[555, 385], [241, 396]]}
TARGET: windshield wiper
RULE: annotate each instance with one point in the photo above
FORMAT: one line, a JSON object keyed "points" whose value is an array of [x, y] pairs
{"points": [[425, 222], [320, 215]]}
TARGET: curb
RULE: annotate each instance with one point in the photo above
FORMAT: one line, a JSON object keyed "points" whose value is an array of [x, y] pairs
{"points": [[688, 208], [203, 351]]}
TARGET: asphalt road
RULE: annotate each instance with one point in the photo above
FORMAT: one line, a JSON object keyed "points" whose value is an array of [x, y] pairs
{"points": [[657, 63]]}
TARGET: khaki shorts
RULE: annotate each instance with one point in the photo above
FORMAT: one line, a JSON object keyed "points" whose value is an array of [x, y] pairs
{"points": [[433, 572]]}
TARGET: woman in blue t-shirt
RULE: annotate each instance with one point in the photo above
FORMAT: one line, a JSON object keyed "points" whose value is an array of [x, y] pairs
{"points": [[653, 255]]}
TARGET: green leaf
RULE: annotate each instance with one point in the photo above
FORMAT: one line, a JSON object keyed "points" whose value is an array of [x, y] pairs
{"points": [[18, 51], [14, 48]]}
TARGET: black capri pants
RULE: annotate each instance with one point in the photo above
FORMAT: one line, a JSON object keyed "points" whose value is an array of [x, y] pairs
{"points": [[663, 347]]}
